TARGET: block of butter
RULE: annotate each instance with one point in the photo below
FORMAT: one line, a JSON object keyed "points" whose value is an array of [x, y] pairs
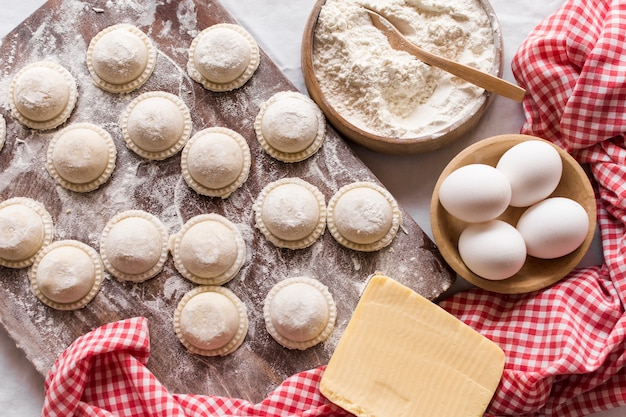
{"points": [[402, 355]]}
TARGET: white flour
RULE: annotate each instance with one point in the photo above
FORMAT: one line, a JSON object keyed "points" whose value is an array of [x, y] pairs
{"points": [[389, 92], [158, 187]]}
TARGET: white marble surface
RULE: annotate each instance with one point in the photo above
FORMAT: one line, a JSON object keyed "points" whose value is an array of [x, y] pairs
{"points": [[277, 25]]}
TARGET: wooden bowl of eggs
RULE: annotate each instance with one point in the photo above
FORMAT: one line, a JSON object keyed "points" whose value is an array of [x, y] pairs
{"points": [[513, 213], [386, 100]]}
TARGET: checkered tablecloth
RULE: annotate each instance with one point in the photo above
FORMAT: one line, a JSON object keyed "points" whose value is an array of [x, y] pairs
{"points": [[104, 373], [565, 345]]}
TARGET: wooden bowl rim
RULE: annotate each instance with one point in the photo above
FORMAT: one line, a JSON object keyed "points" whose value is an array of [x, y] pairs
{"points": [[518, 283], [393, 145]]}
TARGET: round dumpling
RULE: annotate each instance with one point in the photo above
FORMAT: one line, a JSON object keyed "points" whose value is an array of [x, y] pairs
{"points": [[120, 58], [290, 126], [299, 312], [66, 275], [223, 57], [133, 246], [42, 95], [291, 213], [81, 157], [216, 162], [363, 216], [208, 250], [211, 321], [25, 228], [156, 125]]}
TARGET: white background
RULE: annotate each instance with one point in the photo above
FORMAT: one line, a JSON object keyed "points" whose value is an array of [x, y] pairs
{"points": [[277, 26]]}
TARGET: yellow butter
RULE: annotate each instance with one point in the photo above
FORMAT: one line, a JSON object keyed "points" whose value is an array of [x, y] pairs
{"points": [[402, 355]]}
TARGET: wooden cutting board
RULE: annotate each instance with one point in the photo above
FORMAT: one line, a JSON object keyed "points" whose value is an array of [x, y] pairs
{"points": [[60, 31]]}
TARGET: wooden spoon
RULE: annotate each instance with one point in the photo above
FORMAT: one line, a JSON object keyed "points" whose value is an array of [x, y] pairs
{"points": [[482, 79]]}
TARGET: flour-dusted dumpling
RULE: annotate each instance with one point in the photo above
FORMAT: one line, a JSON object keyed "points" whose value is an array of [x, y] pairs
{"points": [[81, 157], [223, 57], [290, 126], [208, 250], [363, 216], [66, 275], [215, 162], [133, 246], [120, 58], [156, 125], [3, 131], [291, 213], [211, 321], [42, 95], [299, 312], [25, 228]]}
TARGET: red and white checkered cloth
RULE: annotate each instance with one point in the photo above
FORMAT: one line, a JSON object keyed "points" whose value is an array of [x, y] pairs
{"points": [[566, 345], [103, 374]]}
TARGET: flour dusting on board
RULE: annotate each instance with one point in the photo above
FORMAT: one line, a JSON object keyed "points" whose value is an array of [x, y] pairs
{"points": [[186, 15], [61, 33]]}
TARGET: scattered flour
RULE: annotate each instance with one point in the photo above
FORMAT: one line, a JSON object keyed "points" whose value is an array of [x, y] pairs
{"points": [[158, 187], [187, 17], [391, 93]]}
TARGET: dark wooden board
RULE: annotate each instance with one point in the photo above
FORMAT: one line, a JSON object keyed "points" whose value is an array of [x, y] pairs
{"points": [[60, 31]]}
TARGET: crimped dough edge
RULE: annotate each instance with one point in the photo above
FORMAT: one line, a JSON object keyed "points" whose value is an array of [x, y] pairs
{"points": [[290, 244], [223, 192], [176, 239], [172, 150], [46, 221], [69, 106], [3, 131], [287, 156], [323, 335], [137, 82], [234, 343], [370, 247], [98, 275], [152, 272], [255, 59], [88, 186]]}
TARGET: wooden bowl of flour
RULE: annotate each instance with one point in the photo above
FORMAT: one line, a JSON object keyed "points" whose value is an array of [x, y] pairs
{"points": [[348, 93]]}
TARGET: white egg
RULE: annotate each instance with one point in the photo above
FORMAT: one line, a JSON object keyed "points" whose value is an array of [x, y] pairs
{"points": [[475, 193], [493, 250], [553, 227], [534, 169]]}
